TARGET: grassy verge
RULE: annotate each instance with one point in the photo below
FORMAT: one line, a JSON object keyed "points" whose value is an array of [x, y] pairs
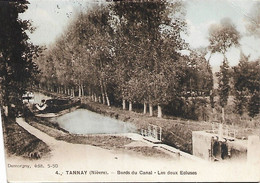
{"points": [[21, 143]]}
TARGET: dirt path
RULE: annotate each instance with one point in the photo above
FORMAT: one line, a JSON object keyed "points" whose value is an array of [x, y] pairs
{"points": [[37, 133], [97, 164], [73, 157]]}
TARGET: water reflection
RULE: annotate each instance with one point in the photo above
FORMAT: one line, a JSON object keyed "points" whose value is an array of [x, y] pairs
{"points": [[83, 121]]}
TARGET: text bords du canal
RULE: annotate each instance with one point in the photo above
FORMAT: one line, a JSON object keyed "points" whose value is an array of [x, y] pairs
{"points": [[156, 172]]}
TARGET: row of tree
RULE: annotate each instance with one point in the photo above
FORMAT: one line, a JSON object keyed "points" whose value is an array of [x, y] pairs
{"points": [[246, 76], [128, 52]]}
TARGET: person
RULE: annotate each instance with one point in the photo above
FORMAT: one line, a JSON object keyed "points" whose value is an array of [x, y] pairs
{"points": [[42, 106], [43, 101]]}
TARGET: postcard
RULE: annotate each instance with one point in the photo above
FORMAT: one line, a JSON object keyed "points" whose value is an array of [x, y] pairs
{"points": [[130, 91]]}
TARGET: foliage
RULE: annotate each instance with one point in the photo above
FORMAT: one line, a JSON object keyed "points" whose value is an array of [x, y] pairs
{"points": [[246, 78], [17, 69], [253, 20], [223, 36], [128, 50], [254, 104], [241, 101], [223, 82]]}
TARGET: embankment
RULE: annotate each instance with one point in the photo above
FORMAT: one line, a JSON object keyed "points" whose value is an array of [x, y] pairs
{"points": [[21, 143], [176, 133]]}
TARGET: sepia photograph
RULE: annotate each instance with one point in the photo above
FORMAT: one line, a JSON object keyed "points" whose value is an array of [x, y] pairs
{"points": [[130, 90]]}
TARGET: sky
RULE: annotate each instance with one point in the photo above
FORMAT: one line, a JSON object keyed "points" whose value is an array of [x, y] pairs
{"points": [[50, 17]]}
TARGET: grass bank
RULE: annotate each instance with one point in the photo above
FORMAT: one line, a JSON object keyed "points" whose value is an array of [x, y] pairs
{"points": [[21, 143]]}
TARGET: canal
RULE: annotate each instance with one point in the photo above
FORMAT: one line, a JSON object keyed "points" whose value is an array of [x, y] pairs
{"points": [[83, 121]]}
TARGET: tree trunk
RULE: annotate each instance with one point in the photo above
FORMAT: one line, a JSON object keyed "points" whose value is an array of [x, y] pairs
{"points": [[103, 99], [73, 92], [150, 109], [220, 131], [95, 96], [108, 102], [130, 106], [82, 90], [159, 111], [105, 91], [102, 92], [145, 108], [79, 91], [89, 91], [223, 114], [124, 105], [99, 99]]}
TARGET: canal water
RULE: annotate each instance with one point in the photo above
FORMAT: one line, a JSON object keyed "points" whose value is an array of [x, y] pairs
{"points": [[83, 121]]}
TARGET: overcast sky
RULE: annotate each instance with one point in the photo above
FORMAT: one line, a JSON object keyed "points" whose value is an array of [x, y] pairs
{"points": [[51, 17]]}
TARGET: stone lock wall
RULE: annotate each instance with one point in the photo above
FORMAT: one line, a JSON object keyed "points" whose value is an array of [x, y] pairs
{"points": [[201, 144], [253, 150]]}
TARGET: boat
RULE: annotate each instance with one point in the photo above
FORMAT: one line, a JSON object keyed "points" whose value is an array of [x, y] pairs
{"points": [[28, 97], [55, 105]]}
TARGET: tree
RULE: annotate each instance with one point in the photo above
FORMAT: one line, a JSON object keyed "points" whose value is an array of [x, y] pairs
{"points": [[246, 83], [241, 101], [16, 54], [241, 75], [222, 37], [253, 20], [254, 104], [148, 38], [223, 86]]}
